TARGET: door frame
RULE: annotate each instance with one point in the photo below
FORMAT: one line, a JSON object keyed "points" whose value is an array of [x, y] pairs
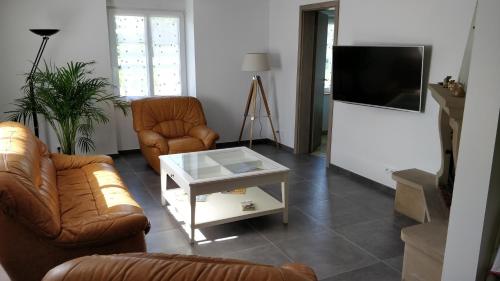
{"points": [[305, 77]]}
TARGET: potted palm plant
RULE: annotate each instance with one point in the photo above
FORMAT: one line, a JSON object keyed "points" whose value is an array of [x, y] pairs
{"points": [[70, 100]]}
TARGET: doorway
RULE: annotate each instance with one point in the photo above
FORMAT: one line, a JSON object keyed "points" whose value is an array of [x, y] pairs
{"points": [[318, 35]]}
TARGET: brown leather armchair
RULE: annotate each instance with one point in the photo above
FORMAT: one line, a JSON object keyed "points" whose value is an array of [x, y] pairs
{"points": [[161, 267], [54, 207], [169, 125]]}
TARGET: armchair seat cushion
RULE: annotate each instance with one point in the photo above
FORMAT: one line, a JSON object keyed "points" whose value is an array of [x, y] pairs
{"points": [[185, 144], [96, 207]]}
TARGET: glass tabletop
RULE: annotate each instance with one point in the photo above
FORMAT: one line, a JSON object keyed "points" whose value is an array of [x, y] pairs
{"points": [[222, 163]]}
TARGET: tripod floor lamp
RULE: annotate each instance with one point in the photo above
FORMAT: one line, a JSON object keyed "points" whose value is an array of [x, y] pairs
{"points": [[45, 33], [256, 62]]}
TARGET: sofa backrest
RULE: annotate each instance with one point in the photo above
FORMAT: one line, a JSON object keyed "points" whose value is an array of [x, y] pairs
{"points": [[169, 116], [28, 191]]}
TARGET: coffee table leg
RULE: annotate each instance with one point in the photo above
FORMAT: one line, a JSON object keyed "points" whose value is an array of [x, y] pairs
{"points": [[163, 179], [192, 200], [284, 198]]}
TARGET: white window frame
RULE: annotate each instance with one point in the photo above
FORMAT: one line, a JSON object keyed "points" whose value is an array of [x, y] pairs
{"points": [[149, 48]]}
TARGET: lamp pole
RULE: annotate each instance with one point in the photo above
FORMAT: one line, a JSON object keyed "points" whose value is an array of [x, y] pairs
{"points": [[45, 33]]}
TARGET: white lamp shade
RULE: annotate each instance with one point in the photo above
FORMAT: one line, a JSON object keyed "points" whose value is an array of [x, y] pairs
{"points": [[255, 62]]}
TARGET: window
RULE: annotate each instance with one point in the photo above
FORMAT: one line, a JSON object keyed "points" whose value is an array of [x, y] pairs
{"points": [[147, 53], [329, 53]]}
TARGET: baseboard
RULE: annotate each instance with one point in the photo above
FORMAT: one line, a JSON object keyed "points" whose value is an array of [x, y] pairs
{"points": [[256, 142], [381, 187], [221, 145], [128, 151]]}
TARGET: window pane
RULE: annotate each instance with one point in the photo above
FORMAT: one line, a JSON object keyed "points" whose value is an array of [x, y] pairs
{"points": [[166, 59], [329, 53], [131, 55]]}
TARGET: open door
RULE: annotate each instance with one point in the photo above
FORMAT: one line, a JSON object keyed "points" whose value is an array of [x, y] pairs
{"points": [[314, 106], [319, 81]]}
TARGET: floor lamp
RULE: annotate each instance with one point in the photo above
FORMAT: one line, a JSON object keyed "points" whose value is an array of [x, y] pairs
{"points": [[256, 62], [45, 33]]}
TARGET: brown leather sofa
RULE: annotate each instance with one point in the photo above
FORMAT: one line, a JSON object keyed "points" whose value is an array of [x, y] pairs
{"points": [[54, 207], [169, 125], [160, 267]]}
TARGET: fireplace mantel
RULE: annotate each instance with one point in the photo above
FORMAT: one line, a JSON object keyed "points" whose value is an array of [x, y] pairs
{"points": [[451, 112], [419, 195]]}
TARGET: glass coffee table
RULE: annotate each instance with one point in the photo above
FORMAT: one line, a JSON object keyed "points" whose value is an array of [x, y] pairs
{"points": [[207, 181]]}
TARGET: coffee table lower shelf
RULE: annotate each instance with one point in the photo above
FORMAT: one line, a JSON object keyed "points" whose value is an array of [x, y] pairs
{"points": [[219, 208]]}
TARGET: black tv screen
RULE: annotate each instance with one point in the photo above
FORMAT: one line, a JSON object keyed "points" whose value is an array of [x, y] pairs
{"points": [[379, 76]]}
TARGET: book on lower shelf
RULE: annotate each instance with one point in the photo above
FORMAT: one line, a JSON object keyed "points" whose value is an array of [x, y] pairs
{"points": [[202, 198], [240, 190], [248, 205]]}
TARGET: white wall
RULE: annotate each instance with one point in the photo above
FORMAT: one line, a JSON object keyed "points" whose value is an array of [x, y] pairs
{"points": [[221, 39], [224, 31], [83, 36], [368, 140], [476, 150], [190, 48], [283, 47], [172, 5]]}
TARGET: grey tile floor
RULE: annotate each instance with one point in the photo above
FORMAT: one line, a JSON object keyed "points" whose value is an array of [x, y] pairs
{"points": [[342, 226]]}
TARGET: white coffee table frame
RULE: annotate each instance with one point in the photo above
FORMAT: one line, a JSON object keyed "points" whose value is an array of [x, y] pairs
{"points": [[266, 204]]}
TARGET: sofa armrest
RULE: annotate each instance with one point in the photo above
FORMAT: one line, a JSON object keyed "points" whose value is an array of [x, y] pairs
{"points": [[103, 229], [205, 134], [67, 162], [153, 139]]}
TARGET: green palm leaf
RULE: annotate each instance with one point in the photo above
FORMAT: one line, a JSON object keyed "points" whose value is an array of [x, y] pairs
{"points": [[71, 100]]}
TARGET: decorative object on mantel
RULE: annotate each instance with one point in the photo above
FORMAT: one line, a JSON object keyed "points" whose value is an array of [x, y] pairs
{"points": [[256, 62], [445, 82], [457, 89]]}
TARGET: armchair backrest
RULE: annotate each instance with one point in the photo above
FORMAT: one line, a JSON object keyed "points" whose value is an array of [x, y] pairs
{"points": [[169, 116], [28, 189]]}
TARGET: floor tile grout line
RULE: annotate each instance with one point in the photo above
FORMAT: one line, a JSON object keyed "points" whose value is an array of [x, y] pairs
{"points": [[341, 235], [353, 270], [378, 212], [392, 267], [252, 248], [143, 182], [272, 243]]}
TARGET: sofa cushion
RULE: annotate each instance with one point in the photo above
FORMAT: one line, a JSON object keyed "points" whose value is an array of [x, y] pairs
{"points": [[96, 206], [185, 144]]}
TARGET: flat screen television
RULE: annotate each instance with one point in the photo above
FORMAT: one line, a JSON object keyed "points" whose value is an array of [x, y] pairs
{"points": [[382, 76]]}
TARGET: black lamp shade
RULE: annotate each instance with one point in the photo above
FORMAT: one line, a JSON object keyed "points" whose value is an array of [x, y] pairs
{"points": [[44, 32]]}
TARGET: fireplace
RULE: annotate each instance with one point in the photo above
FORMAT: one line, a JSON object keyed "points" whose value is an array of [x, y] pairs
{"points": [[427, 197]]}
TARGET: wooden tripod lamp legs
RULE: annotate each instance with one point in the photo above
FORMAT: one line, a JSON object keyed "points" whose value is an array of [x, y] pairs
{"points": [[251, 107]]}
